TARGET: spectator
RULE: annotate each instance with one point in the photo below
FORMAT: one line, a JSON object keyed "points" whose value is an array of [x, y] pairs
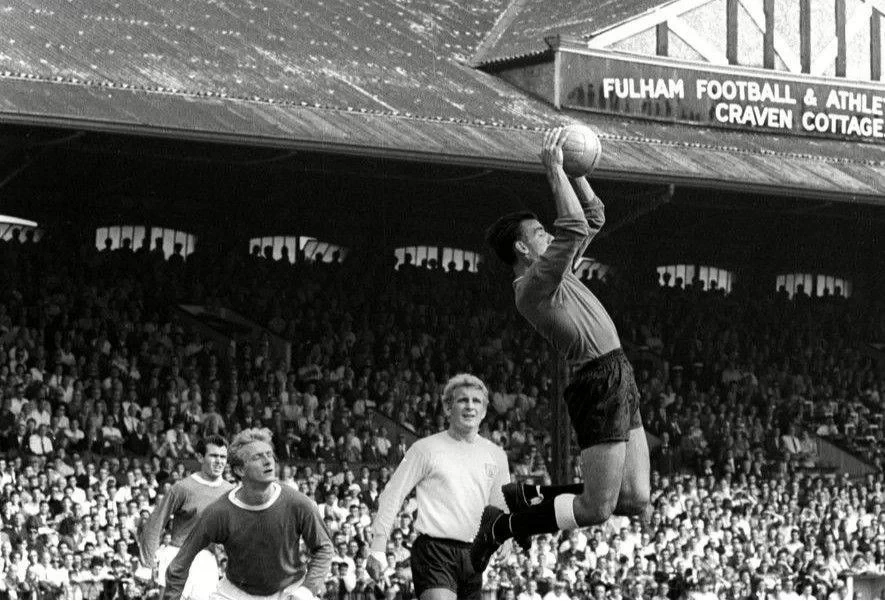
{"points": [[732, 516], [39, 442]]}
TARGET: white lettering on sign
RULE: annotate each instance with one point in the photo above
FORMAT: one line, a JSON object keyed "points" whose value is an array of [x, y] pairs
{"points": [[754, 116], [856, 102], [745, 91], [623, 87], [675, 92], [845, 125]]}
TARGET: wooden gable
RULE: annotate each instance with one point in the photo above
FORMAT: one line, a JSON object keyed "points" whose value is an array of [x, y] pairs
{"points": [[825, 38]]}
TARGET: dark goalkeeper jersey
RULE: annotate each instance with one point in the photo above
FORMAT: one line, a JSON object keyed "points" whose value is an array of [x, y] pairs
{"points": [[557, 304]]}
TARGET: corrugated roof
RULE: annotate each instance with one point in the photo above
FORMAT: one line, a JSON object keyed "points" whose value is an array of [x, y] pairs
{"points": [[392, 55], [635, 150], [521, 30], [727, 159], [379, 77]]}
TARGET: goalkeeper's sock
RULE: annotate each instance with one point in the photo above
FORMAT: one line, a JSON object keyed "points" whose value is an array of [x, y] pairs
{"points": [[541, 519], [549, 492], [546, 494]]}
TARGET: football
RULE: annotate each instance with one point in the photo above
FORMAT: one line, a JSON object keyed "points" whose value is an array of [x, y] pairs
{"points": [[581, 151]]}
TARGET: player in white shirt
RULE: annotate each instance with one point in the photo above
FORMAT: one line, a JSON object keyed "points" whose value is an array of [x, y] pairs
{"points": [[455, 473]]}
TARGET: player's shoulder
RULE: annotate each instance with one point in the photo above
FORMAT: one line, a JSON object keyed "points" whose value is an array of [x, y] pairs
{"points": [[290, 494], [428, 444], [227, 486], [196, 482], [431, 440], [490, 446], [222, 504], [296, 498], [183, 486], [526, 287]]}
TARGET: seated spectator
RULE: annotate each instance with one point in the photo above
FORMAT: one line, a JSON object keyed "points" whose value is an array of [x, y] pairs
{"points": [[39, 442], [111, 437]]}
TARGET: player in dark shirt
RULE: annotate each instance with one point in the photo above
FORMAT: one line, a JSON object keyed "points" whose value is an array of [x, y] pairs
{"points": [[602, 397], [261, 524]]}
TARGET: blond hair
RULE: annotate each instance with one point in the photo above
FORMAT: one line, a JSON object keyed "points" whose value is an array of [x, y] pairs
{"points": [[463, 381], [243, 439]]}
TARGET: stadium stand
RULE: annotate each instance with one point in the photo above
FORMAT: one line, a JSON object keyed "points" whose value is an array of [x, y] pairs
{"points": [[105, 392], [383, 126]]}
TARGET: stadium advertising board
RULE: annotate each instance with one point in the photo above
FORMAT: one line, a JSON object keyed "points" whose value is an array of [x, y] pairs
{"points": [[728, 96]]}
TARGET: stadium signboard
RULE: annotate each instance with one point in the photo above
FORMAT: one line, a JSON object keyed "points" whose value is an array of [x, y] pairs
{"points": [[666, 89]]}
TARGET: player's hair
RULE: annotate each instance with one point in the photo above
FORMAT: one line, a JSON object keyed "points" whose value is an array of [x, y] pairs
{"points": [[463, 381], [215, 439], [244, 438], [503, 234]]}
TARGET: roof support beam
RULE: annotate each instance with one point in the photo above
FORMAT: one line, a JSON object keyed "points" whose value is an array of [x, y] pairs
{"points": [[805, 34], [765, 22], [731, 31], [841, 43], [875, 45], [662, 39], [829, 55], [768, 35]]}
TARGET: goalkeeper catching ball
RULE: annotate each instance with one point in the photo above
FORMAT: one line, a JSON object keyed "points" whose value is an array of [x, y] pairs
{"points": [[602, 397]]}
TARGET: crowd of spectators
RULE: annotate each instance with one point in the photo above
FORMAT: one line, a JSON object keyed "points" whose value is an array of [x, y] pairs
{"points": [[105, 391]]}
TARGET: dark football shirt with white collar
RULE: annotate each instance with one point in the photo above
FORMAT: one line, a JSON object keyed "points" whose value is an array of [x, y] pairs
{"points": [[262, 543]]}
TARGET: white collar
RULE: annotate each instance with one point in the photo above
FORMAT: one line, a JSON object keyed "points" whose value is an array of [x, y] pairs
{"points": [[202, 480], [274, 495]]}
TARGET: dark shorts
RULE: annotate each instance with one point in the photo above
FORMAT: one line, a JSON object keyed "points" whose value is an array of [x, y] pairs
{"points": [[603, 400], [444, 563]]}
